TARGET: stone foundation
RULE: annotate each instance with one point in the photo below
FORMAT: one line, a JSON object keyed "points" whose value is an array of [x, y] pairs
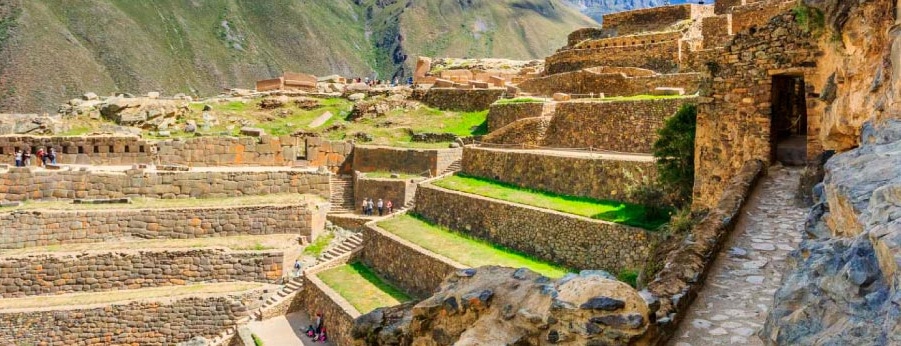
{"points": [[569, 240], [43, 274], [19, 184], [415, 270], [501, 115], [603, 179], [135, 323], [464, 100], [398, 191], [42, 228]]}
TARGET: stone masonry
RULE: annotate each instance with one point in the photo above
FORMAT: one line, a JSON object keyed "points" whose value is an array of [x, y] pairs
{"points": [[42, 228], [502, 114], [572, 241], [45, 274], [401, 160], [574, 175], [19, 184], [398, 191]]}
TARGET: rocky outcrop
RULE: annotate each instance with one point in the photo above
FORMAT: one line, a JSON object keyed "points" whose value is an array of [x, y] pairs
{"points": [[505, 306], [845, 285]]}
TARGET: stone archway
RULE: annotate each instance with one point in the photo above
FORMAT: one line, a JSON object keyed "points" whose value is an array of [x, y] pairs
{"points": [[788, 120]]}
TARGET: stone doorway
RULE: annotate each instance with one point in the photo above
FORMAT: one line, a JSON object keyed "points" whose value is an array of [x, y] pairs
{"points": [[788, 126]]}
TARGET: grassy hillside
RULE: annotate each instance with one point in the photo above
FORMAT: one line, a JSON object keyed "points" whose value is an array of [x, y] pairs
{"points": [[52, 50]]}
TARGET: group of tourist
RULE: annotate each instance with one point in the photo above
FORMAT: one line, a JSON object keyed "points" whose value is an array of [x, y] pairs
{"points": [[382, 206], [23, 158], [316, 331], [379, 82]]}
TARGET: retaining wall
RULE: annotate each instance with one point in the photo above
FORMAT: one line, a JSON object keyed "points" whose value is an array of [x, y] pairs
{"points": [[654, 18], [758, 13], [19, 184], [572, 241], [41, 228], [317, 297], [401, 160], [43, 274], [500, 115], [336, 155], [593, 177], [408, 266], [610, 84], [624, 126], [464, 100], [717, 30], [135, 323], [398, 191], [662, 57]]}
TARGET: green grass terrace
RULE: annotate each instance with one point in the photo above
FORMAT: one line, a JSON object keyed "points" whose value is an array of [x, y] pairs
{"points": [[362, 288], [464, 249], [612, 211]]}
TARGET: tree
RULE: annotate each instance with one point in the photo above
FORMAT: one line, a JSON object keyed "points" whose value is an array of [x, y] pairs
{"points": [[675, 154]]}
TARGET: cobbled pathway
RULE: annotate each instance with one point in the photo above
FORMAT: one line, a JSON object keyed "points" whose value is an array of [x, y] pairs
{"points": [[738, 293]]}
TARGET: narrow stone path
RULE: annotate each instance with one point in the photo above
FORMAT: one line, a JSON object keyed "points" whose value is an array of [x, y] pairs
{"points": [[284, 330], [739, 290]]}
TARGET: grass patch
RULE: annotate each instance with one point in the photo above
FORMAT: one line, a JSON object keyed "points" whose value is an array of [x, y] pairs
{"points": [[317, 246], [362, 287], [810, 19], [518, 100], [628, 276], [464, 249], [613, 211]]}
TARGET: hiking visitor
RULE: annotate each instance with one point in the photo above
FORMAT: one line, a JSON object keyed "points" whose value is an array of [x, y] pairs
{"points": [[310, 332], [365, 205], [52, 156], [381, 206], [26, 158], [390, 206], [18, 158], [297, 267], [317, 323], [42, 156], [370, 206], [322, 336]]}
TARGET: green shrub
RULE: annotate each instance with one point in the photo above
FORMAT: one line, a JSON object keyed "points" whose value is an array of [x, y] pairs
{"points": [[810, 19], [256, 340], [652, 198], [628, 276], [681, 222], [675, 154]]}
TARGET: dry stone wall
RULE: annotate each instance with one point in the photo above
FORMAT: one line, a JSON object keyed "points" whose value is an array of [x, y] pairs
{"points": [[19, 184], [501, 114], [126, 150], [575, 176], [734, 113], [135, 323], [464, 100], [758, 13], [44, 274], [653, 19], [569, 240], [401, 160], [662, 57], [415, 270], [317, 297], [398, 191], [717, 30], [624, 126], [336, 155], [586, 82], [43, 228], [525, 132]]}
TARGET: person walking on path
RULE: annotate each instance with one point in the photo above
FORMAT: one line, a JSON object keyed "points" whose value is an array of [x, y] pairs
{"points": [[390, 206], [26, 158], [18, 158], [365, 206], [370, 207], [297, 267], [381, 206]]}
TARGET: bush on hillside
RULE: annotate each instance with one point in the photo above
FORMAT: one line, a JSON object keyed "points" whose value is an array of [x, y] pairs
{"points": [[675, 154]]}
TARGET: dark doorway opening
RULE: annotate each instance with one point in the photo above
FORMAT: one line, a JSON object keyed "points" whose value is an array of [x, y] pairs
{"points": [[788, 126]]}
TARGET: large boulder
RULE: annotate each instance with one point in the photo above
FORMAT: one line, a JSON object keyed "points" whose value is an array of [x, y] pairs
{"points": [[142, 111], [505, 306], [845, 286]]}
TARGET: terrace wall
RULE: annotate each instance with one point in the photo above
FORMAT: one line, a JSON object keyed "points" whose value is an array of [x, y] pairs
{"points": [[604, 179], [662, 57], [464, 100], [127, 150], [19, 184], [317, 297], [42, 228], [43, 274], [631, 40], [134, 323], [336, 155], [653, 19], [398, 191], [717, 30], [569, 240], [610, 84], [499, 115], [758, 13], [401, 160], [623, 126], [415, 270], [525, 132]]}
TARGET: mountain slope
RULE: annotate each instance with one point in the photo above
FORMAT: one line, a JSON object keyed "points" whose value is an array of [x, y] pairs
{"points": [[52, 50]]}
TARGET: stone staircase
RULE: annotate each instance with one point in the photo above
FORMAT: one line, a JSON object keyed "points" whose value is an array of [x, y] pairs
{"points": [[225, 338], [351, 243], [455, 166], [341, 194], [293, 285]]}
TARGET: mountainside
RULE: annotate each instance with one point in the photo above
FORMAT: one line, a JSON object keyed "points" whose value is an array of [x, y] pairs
{"points": [[597, 8], [53, 50]]}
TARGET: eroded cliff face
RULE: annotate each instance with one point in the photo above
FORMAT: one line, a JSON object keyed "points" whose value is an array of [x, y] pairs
{"points": [[844, 287], [505, 306]]}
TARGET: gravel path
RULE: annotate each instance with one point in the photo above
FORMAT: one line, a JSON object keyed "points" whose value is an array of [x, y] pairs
{"points": [[739, 291]]}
